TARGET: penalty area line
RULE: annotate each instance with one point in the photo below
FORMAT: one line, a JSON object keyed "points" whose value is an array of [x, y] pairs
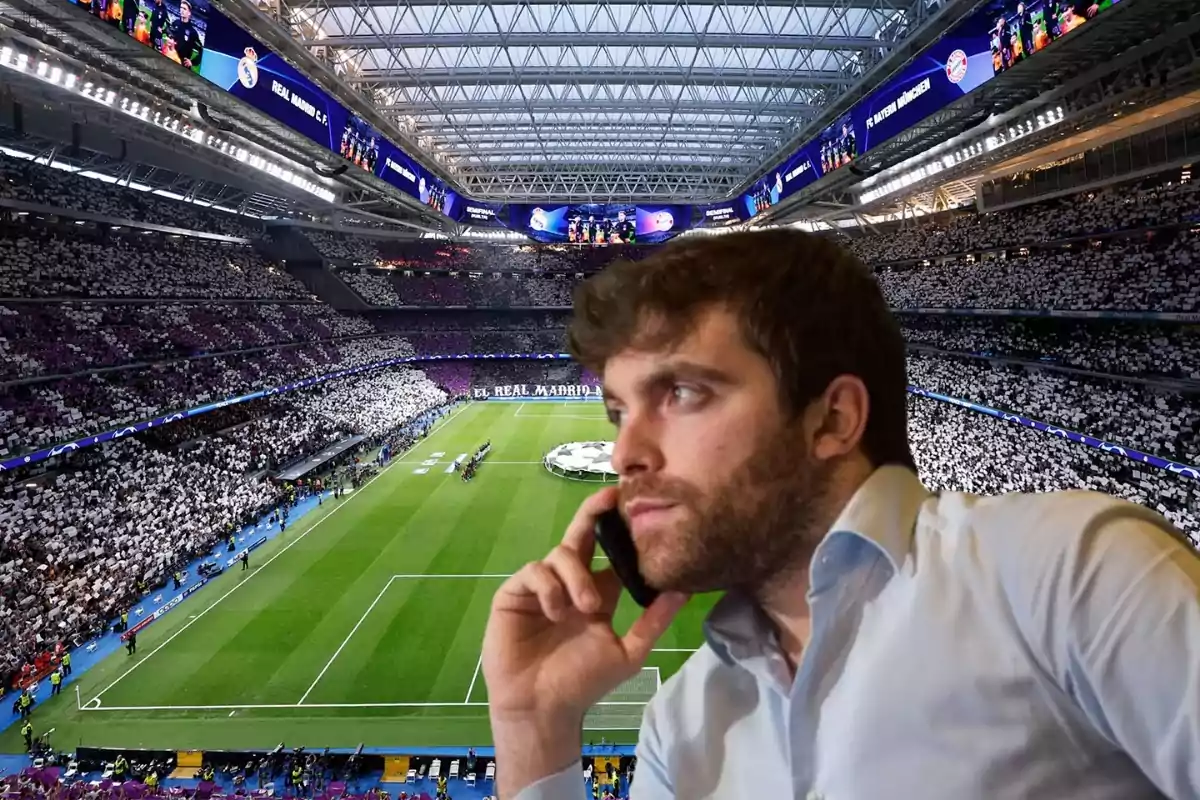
{"points": [[309, 706], [268, 562], [474, 678], [345, 641]]}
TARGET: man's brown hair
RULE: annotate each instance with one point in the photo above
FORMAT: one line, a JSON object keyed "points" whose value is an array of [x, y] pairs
{"points": [[810, 308]]}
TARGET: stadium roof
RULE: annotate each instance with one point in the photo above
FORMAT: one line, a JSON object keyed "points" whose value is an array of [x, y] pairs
{"points": [[611, 99]]}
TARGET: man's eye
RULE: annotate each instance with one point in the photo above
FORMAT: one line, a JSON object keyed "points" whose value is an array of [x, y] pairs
{"points": [[614, 415], [687, 395]]}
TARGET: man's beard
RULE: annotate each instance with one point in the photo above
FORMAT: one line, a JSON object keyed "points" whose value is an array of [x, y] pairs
{"points": [[761, 526]]}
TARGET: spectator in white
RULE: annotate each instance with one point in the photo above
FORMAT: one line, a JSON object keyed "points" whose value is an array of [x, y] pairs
{"points": [[875, 640]]}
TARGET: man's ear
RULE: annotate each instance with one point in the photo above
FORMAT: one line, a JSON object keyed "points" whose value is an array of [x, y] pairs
{"points": [[838, 418]]}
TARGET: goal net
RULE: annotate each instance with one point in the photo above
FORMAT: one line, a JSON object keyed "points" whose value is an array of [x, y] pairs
{"points": [[621, 709]]}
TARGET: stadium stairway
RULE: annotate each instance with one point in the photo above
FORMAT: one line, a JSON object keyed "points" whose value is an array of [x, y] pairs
{"points": [[326, 285], [186, 764], [287, 245]]}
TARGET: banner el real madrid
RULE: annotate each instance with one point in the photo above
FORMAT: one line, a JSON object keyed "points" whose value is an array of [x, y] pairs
{"points": [[524, 391]]}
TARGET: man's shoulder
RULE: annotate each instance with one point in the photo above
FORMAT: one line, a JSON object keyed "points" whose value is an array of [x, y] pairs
{"points": [[1022, 539], [1022, 520]]}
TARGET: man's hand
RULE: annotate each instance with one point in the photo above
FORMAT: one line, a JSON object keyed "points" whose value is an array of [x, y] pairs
{"points": [[550, 652]]}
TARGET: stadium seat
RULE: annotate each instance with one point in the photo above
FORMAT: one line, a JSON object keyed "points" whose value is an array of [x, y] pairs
{"points": [[454, 769], [411, 777], [471, 779], [490, 774], [435, 771]]}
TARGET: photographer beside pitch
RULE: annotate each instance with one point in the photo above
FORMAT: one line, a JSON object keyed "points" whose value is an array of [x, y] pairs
{"points": [[875, 640]]}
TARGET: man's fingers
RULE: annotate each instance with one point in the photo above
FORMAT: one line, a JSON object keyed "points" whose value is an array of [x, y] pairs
{"points": [[580, 536], [610, 589], [549, 590], [576, 577], [651, 625], [535, 587]]}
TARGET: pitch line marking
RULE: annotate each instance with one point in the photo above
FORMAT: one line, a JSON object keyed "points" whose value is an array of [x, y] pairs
{"points": [[308, 706], [447, 575], [471, 688], [289, 546], [345, 641]]}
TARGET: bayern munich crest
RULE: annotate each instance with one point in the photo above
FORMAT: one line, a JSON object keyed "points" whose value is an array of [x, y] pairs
{"points": [[956, 66]]}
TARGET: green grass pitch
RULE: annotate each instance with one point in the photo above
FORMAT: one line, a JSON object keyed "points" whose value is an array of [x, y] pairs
{"points": [[348, 629]]}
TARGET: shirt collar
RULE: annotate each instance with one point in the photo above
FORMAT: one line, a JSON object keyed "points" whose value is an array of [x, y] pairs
{"points": [[882, 513]]}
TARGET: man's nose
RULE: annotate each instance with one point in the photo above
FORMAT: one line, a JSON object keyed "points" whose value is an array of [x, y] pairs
{"points": [[638, 448]]}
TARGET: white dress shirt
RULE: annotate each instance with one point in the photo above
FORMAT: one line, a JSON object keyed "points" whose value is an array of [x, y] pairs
{"points": [[1023, 646]]}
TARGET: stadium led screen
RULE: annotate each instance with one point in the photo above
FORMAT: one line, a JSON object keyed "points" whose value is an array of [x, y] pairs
{"points": [[200, 38], [719, 215], [598, 224], [996, 38], [478, 214]]}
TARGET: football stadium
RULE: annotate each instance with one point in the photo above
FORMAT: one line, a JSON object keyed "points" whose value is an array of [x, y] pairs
{"points": [[413, 559], [288, 393]]}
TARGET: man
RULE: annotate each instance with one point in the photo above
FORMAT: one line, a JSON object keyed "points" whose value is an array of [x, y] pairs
{"points": [[245, 560], [1024, 25], [874, 640], [55, 683], [131, 644], [183, 32], [66, 663], [160, 20], [27, 735], [626, 233]]}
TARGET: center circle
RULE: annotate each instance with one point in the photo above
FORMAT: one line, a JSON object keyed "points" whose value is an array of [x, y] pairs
{"points": [[582, 461]]}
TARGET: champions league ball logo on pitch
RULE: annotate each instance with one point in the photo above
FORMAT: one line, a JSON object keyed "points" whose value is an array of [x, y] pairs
{"points": [[663, 221], [956, 66], [247, 69]]}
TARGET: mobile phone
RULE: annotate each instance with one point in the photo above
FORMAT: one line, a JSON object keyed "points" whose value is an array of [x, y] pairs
{"points": [[612, 534]]}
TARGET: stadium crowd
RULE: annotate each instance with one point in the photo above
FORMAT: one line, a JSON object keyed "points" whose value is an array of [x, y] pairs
{"points": [[1118, 274], [39, 339], [78, 532], [343, 246], [1125, 274], [34, 415], [957, 449], [1159, 421], [78, 536], [1152, 203], [37, 183], [40, 261], [1119, 348]]}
